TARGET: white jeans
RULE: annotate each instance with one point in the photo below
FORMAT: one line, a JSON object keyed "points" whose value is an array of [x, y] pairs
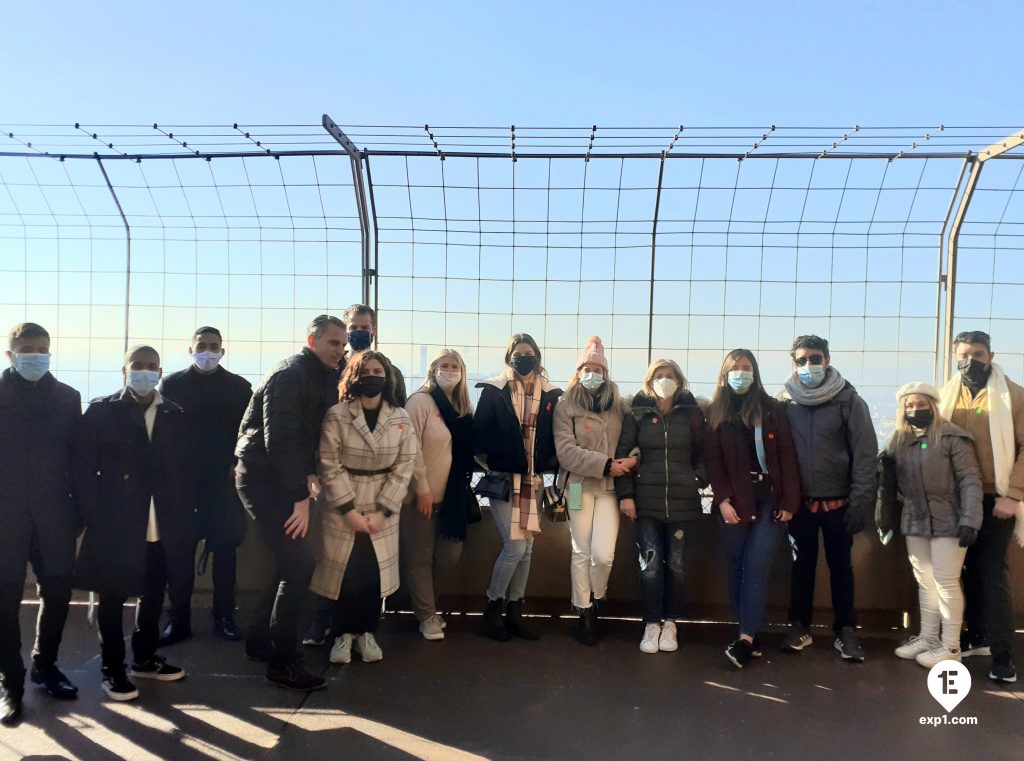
{"points": [[594, 528], [937, 561]]}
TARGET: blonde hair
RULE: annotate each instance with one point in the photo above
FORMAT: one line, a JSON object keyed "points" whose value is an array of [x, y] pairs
{"points": [[579, 400], [903, 433], [460, 394], [658, 364]]}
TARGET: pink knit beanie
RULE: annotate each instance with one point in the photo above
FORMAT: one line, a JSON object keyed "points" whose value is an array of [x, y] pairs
{"points": [[593, 354]]}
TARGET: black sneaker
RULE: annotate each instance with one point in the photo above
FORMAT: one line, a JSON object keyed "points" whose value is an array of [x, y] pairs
{"points": [[970, 648], [10, 706], [119, 687], [226, 628], [157, 668], [58, 685], [292, 676], [739, 653], [798, 637], [319, 632], [848, 645], [1003, 670]]}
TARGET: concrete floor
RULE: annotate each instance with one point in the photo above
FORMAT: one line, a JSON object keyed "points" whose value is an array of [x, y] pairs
{"points": [[470, 698]]}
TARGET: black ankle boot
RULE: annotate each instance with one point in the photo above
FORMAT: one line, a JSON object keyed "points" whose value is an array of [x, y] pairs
{"points": [[586, 628], [514, 621], [226, 628], [493, 624]]}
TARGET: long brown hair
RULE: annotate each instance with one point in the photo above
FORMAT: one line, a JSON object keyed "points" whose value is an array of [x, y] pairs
{"points": [[579, 400], [354, 369], [525, 338], [721, 411]]}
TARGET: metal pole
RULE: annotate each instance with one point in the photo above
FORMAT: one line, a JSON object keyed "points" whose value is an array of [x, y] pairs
{"points": [[128, 251], [952, 251], [938, 376], [654, 248], [356, 160], [376, 235]]}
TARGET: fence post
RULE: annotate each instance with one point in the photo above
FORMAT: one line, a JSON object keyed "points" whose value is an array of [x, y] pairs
{"points": [[654, 248], [128, 251]]}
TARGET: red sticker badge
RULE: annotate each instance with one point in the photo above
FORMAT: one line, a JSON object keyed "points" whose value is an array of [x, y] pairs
{"points": [[654, 420]]}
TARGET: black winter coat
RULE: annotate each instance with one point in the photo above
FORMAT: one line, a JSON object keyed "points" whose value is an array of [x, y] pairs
{"points": [[37, 429], [118, 470], [214, 404], [671, 458], [280, 430], [497, 435]]}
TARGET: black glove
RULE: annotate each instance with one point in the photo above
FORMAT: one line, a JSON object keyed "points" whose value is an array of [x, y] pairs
{"points": [[854, 520], [968, 536]]}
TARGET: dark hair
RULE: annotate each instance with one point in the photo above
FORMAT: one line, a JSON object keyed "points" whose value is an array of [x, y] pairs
{"points": [[721, 411], [320, 323], [525, 338], [974, 337], [355, 309], [24, 331], [206, 329], [353, 371], [809, 342], [136, 350]]}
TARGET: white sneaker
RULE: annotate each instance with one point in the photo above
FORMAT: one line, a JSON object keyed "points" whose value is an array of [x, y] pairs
{"points": [[652, 634], [914, 647], [936, 655], [341, 651], [432, 628], [668, 641], [367, 646]]}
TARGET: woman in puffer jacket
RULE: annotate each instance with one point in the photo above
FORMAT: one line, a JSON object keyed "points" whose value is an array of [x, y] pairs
{"points": [[937, 479], [667, 428]]}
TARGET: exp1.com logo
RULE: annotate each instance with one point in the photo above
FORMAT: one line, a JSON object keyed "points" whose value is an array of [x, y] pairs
{"points": [[949, 682]]}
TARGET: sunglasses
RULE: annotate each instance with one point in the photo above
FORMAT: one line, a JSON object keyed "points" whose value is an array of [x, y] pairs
{"points": [[814, 359]]}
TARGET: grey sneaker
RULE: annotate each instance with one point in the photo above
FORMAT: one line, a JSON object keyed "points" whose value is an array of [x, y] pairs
{"points": [[798, 637], [432, 628], [848, 645]]}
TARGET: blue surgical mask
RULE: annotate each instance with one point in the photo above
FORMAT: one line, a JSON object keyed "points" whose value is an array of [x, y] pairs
{"points": [[360, 340], [143, 382], [591, 381], [811, 375], [207, 361], [740, 381], [31, 367]]}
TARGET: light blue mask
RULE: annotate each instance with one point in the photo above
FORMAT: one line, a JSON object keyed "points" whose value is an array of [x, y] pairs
{"points": [[143, 382], [811, 375], [31, 367], [740, 381], [591, 381]]}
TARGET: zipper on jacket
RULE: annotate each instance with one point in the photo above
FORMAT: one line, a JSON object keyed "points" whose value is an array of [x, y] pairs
{"points": [[665, 421]]}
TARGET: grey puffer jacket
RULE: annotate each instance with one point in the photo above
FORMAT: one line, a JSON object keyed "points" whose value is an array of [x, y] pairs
{"points": [[939, 487]]}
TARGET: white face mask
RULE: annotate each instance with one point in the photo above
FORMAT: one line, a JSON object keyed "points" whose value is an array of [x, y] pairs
{"points": [[448, 379], [143, 382], [207, 360], [665, 388], [591, 381]]}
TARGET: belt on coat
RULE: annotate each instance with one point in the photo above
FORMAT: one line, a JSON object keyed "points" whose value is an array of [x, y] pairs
{"points": [[357, 472]]}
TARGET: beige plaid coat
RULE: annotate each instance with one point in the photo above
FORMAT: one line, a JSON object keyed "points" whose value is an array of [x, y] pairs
{"points": [[346, 443]]}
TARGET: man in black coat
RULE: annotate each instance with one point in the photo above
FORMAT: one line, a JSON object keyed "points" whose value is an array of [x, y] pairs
{"points": [[38, 417], [214, 401], [131, 463], [277, 453]]}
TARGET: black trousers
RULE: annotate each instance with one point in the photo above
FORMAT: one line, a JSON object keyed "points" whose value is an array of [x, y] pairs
{"points": [[986, 575], [358, 608], [180, 591], [110, 615], [276, 619], [803, 534], [55, 599]]}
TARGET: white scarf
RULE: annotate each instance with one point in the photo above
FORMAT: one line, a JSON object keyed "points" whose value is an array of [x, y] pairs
{"points": [[1000, 424]]}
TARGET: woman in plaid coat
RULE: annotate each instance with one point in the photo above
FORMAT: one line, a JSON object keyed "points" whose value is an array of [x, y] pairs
{"points": [[367, 457]]}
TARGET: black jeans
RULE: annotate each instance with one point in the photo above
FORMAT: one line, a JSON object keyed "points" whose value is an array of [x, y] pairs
{"points": [[276, 619], [986, 575], [54, 601], [358, 607], [662, 569], [803, 539], [110, 616], [179, 591]]}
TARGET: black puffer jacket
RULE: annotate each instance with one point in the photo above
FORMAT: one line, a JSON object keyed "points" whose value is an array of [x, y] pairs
{"points": [[498, 438], [671, 458], [280, 431]]}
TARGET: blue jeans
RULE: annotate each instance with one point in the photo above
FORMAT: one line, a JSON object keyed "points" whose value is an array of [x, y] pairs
{"points": [[662, 573], [512, 568], [750, 550]]}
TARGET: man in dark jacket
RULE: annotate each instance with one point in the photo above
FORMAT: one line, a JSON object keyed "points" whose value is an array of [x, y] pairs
{"points": [[131, 457], [277, 453], [38, 417], [214, 401], [837, 446]]}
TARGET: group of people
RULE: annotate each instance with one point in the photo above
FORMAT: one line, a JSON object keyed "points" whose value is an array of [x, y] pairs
{"points": [[348, 480]]}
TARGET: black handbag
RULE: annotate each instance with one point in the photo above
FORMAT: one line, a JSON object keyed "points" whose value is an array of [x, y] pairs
{"points": [[553, 504], [494, 485]]}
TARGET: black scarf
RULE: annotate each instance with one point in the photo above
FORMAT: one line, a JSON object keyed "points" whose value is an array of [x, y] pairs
{"points": [[459, 506]]}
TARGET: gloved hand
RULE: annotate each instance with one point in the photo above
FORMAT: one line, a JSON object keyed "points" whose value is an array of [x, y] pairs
{"points": [[854, 520], [968, 536]]}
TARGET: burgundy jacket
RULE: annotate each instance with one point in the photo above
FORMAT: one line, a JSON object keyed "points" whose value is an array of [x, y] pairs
{"points": [[727, 457]]}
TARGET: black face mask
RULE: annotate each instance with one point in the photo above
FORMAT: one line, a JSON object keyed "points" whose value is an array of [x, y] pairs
{"points": [[973, 372], [523, 365], [920, 418], [369, 386]]}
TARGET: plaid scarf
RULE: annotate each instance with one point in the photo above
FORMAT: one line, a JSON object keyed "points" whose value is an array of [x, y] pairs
{"points": [[526, 403]]}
